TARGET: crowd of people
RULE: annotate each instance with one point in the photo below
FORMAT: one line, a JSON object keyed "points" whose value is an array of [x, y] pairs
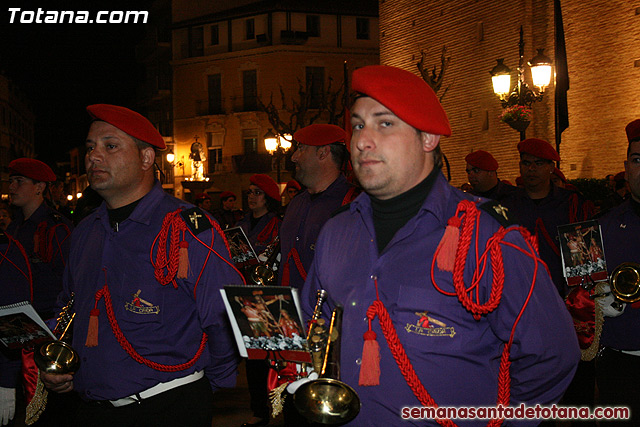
{"points": [[450, 298]]}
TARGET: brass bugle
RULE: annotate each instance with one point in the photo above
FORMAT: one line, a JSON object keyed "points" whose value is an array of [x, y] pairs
{"points": [[625, 282], [327, 400], [58, 357]]}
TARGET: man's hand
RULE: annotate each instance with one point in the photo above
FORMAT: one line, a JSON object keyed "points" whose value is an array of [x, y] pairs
{"points": [[56, 382], [7, 405]]}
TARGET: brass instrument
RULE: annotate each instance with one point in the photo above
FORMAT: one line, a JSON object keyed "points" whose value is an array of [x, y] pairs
{"points": [[326, 400], [625, 282], [265, 274], [58, 357]]}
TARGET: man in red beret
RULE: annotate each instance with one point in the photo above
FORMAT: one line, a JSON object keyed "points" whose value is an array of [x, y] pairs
{"points": [[150, 267], [541, 206], [34, 254], [319, 157], [482, 171], [228, 215], [617, 367], [408, 248]]}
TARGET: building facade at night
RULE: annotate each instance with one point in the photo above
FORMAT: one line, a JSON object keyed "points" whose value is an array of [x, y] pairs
{"points": [[228, 61], [603, 56]]}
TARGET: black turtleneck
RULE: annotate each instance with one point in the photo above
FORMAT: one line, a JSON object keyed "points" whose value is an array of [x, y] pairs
{"points": [[392, 214], [116, 216]]}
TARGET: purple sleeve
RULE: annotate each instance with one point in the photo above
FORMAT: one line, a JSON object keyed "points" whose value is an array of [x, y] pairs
{"points": [[545, 351], [223, 353]]}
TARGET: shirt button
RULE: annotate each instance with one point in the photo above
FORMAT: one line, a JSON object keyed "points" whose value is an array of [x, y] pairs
{"points": [[358, 361]]}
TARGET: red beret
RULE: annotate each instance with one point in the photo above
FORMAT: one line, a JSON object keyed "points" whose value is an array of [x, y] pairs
{"points": [[482, 160], [519, 181], [559, 174], [405, 94], [203, 196], [266, 184], [226, 195], [539, 148], [32, 168], [128, 121], [620, 176], [320, 135], [293, 184], [633, 130]]}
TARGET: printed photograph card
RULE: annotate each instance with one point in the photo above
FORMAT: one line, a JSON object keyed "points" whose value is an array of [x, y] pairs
{"points": [[242, 253], [582, 252], [21, 327], [266, 322]]}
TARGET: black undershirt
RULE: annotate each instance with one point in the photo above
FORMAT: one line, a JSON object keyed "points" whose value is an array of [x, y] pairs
{"points": [[254, 220], [635, 206], [116, 216], [392, 214]]}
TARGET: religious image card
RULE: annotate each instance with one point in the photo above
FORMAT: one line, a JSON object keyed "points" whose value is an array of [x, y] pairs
{"points": [[242, 253], [582, 252], [266, 321]]}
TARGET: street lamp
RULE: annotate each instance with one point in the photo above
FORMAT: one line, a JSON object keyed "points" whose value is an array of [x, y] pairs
{"points": [[277, 145], [517, 101]]}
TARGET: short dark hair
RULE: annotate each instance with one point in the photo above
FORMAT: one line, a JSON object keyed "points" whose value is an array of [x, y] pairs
{"points": [[339, 153]]}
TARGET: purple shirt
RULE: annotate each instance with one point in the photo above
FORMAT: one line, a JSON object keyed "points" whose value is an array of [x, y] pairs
{"points": [[253, 234], [456, 357], [47, 274], [621, 225], [305, 216], [167, 325]]}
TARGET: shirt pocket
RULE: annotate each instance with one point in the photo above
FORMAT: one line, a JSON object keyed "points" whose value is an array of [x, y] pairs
{"points": [[426, 321]]}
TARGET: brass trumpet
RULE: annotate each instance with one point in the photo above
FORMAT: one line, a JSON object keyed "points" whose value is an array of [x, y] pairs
{"points": [[58, 357], [264, 274], [327, 400], [625, 282]]}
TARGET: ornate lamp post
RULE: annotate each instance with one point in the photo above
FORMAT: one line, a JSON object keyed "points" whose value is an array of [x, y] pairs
{"points": [[277, 145], [517, 101]]}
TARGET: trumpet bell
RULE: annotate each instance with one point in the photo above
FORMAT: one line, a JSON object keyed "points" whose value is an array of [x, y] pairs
{"points": [[56, 357], [625, 282], [262, 275], [327, 401]]}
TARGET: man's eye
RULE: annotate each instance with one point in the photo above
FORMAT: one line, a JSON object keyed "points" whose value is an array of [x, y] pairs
{"points": [[386, 124], [357, 126]]}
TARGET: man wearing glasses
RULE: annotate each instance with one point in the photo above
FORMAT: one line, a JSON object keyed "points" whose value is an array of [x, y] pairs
{"points": [[482, 171]]}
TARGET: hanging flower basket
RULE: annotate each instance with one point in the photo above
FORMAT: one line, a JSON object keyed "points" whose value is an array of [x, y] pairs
{"points": [[517, 116], [519, 125]]}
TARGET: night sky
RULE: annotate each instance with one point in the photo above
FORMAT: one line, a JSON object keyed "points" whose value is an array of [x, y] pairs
{"points": [[62, 68]]}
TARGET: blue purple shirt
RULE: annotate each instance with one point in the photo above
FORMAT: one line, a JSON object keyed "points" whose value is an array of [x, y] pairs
{"points": [[621, 240], [305, 216], [456, 357], [162, 323]]}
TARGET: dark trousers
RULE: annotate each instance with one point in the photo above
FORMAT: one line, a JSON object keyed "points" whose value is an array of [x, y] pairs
{"points": [[257, 374], [618, 379], [188, 405]]}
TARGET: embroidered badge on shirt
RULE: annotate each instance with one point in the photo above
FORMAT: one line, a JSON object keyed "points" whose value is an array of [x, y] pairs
{"points": [[429, 326], [141, 306], [196, 220]]}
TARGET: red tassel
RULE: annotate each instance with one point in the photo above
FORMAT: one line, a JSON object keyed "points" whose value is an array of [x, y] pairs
{"points": [[370, 367], [448, 246], [183, 260], [92, 333]]}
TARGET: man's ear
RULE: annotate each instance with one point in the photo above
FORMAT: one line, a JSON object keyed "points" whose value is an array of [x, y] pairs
{"points": [[429, 141], [148, 157], [323, 151]]}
